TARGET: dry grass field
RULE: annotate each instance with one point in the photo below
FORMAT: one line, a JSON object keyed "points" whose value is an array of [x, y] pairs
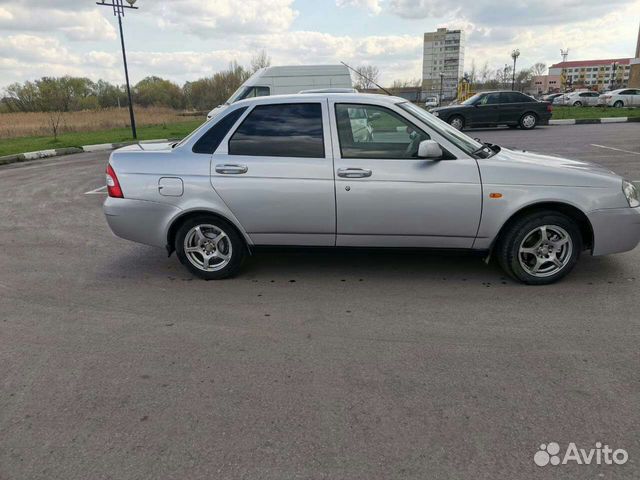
{"points": [[14, 125]]}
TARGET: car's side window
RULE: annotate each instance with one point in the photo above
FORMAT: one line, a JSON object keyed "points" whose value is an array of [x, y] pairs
{"points": [[490, 99], [370, 131], [209, 142], [281, 130]]}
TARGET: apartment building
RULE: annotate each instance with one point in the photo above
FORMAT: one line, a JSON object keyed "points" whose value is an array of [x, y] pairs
{"points": [[443, 60], [594, 74]]}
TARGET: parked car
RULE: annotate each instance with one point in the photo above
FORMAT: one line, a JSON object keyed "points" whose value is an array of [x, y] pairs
{"points": [[551, 97], [623, 97], [293, 170], [489, 109], [578, 99], [283, 80], [430, 102]]}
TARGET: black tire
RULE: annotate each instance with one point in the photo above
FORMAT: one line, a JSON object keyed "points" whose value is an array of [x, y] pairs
{"points": [[457, 120], [232, 245], [510, 241], [577, 104], [528, 121], [618, 104]]}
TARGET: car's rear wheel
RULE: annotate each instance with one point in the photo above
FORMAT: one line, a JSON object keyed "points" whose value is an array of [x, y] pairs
{"points": [[457, 122], [209, 247], [618, 104], [540, 248], [528, 121]]}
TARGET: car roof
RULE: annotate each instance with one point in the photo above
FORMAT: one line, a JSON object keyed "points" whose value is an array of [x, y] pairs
{"points": [[342, 97]]}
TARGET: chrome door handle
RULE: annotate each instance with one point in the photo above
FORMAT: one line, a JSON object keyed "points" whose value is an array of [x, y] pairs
{"points": [[354, 172], [231, 169]]}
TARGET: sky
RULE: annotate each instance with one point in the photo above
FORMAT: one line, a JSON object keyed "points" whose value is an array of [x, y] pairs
{"points": [[189, 39]]}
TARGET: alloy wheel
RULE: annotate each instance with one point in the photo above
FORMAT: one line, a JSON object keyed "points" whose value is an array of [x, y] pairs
{"points": [[208, 248], [456, 123], [529, 121], [545, 251]]}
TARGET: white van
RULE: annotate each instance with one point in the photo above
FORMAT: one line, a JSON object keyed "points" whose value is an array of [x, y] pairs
{"points": [[288, 80]]}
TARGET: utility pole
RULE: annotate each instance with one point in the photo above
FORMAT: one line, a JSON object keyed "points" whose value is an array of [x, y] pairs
{"points": [[441, 89], [118, 11]]}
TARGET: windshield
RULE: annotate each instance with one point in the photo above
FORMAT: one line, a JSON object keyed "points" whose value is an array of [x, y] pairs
{"points": [[238, 95], [459, 139], [472, 100]]}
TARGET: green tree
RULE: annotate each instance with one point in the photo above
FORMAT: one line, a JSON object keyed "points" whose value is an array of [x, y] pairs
{"points": [[156, 91]]}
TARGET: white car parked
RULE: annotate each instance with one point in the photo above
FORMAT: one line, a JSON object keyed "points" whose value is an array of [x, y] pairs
{"points": [[623, 97], [578, 99]]}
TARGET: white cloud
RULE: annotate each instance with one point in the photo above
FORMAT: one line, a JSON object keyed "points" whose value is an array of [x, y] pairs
{"points": [[207, 18], [79, 25], [371, 5]]}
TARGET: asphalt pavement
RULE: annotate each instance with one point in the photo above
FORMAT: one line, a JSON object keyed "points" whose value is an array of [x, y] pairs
{"points": [[115, 363]]}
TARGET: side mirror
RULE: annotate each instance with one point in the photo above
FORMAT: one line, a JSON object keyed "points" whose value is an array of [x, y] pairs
{"points": [[430, 149]]}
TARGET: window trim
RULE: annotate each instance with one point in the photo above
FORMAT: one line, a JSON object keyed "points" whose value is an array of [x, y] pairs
{"points": [[231, 134]]}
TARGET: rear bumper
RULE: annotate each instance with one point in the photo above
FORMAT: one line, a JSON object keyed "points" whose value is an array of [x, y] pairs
{"points": [[139, 220], [615, 230]]}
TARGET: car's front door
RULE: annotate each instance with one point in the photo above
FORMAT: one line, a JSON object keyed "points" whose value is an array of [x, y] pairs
{"points": [[387, 196], [486, 110], [275, 173]]}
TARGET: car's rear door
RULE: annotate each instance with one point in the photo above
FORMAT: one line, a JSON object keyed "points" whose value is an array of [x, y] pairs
{"points": [[387, 196], [275, 173], [511, 107]]}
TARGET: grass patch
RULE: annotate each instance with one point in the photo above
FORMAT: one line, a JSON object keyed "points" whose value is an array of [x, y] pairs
{"points": [[561, 113], [78, 139]]}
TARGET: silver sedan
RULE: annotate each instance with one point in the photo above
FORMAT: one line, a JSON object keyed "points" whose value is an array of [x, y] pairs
{"points": [[296, 171]]}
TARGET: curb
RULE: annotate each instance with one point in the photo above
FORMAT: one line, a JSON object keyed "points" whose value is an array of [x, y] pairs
{"points": [[591, 121], [57, 152]]}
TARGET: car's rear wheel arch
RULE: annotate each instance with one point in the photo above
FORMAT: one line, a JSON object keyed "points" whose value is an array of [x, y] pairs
{"points": [[180, 220], [574, 213]]}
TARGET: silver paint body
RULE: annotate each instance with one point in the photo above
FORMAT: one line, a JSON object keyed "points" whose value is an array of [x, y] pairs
{"points": [[403, 203]]}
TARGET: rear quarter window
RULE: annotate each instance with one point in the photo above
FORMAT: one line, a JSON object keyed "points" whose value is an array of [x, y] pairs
{"points": [[210, 141]]}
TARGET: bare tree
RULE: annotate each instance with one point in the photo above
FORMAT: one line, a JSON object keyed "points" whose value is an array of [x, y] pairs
{"points": [[473, 73], [367, 77], [260, 60], [485, 73], [416, 82], [539, 69]]}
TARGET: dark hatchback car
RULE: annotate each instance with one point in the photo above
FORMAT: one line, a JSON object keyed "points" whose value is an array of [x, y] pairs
{"points": [[488, 109]]}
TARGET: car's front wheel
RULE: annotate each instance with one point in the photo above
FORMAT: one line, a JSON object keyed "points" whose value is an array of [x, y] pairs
{"points": [[209, 247], [577, 104], [528, 121], [540, 248], [619, 104], [457, 122]]}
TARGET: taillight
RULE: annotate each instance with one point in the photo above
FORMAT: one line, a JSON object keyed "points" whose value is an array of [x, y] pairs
{"points": [[113, 186], [549, 108]]}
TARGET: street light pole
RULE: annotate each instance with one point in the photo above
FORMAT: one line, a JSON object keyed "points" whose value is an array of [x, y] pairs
{"points": [[441, 87], [515, 54], [118, 11]]}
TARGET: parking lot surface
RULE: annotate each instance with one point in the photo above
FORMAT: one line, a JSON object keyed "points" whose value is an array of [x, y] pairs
{"points": [[115, 363]]}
